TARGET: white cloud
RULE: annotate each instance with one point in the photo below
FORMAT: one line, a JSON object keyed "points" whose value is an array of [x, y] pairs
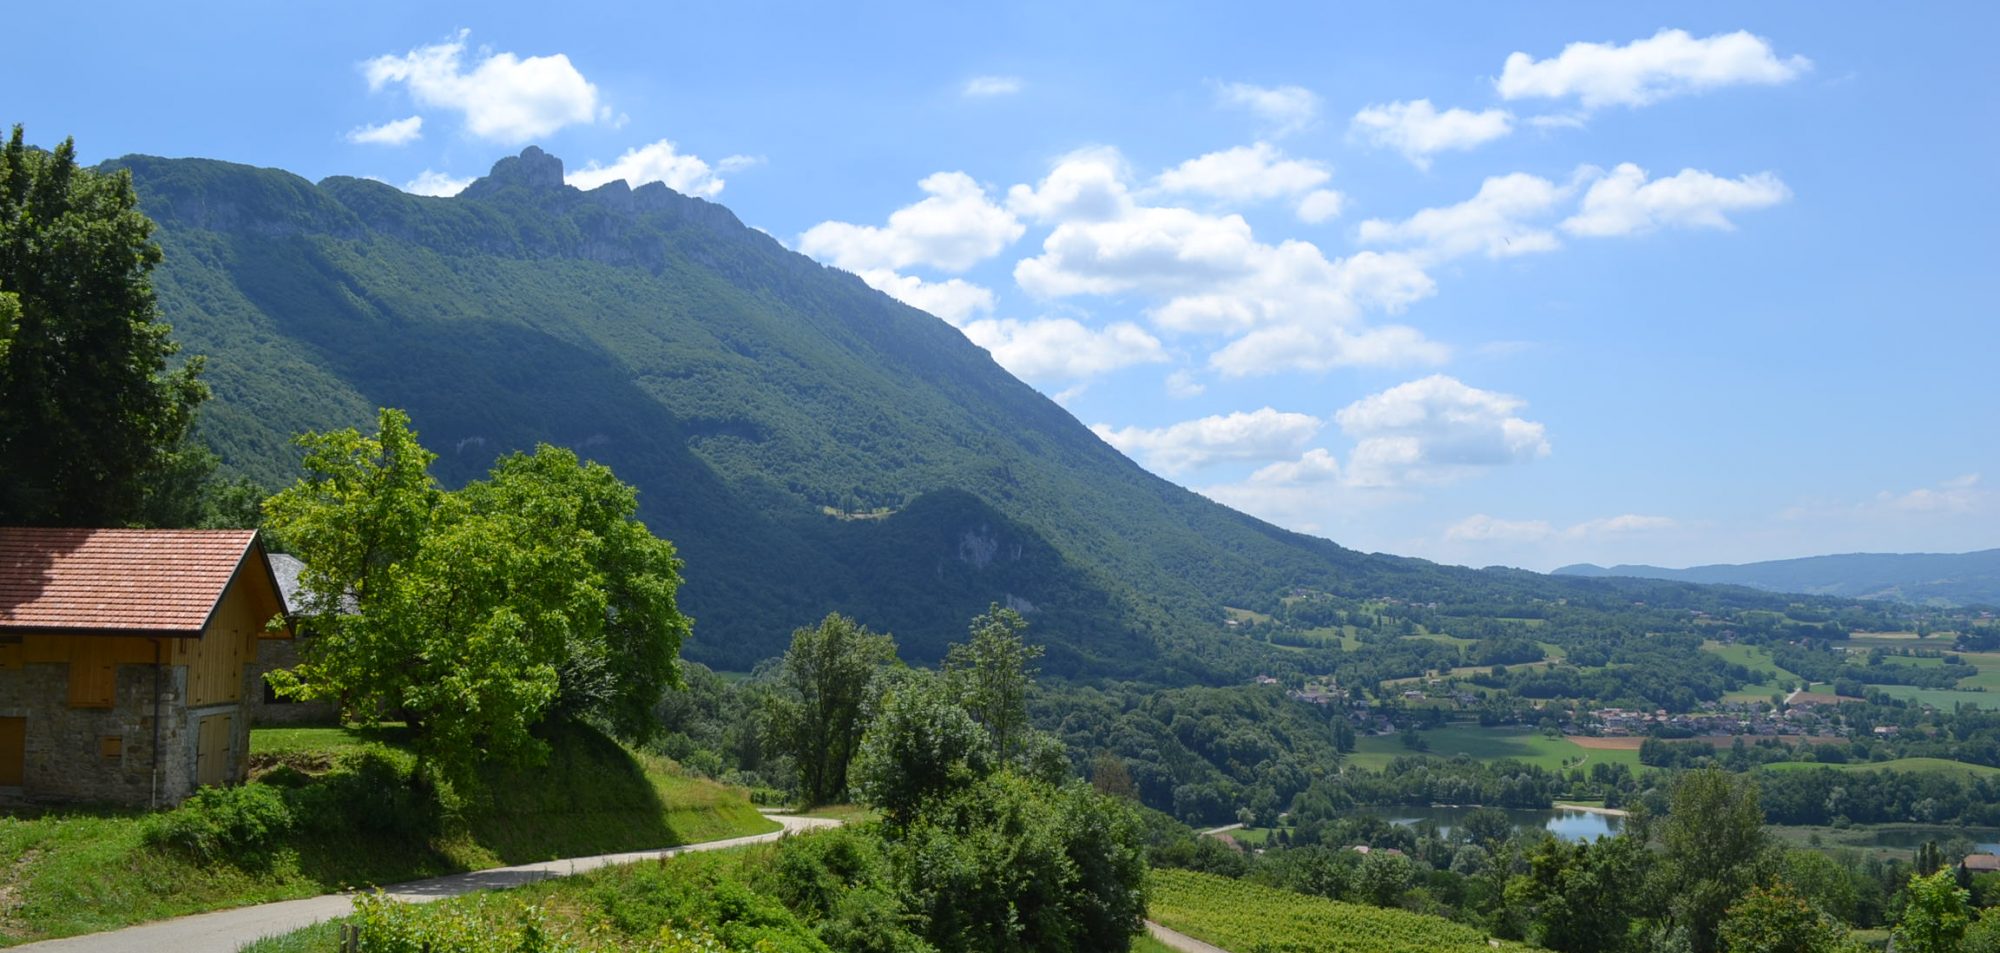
{"points": [[1285, 109], [1434, 430], [1669, 63], [1084, 186], [1957, 495], [955, 228], [661, 162], [437, 184], [1263, 434], [1064, 348], [954, 299], [1208, 274], [393, 133], [1302, 348], [1182, 383], [1623, 202], [984, 86], [1493, 222], [503, 97], [1321, 205], [1418, 131], [1315, 466], [1252, 173], [1480, 528]]}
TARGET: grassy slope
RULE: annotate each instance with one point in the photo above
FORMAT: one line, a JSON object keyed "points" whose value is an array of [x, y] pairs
{"points": [[1237, 915], [70, 872]]}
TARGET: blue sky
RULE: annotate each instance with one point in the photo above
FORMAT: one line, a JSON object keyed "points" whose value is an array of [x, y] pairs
{"points": [[1565, 282]]}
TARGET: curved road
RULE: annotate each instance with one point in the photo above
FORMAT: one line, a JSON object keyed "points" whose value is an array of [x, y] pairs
{"points": [[231, 929]]}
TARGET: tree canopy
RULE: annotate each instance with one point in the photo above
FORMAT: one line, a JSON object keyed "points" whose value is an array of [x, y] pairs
{"points": [[94, 426], [473, 614]]}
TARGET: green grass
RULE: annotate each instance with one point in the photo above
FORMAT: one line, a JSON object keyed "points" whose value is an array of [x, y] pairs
{"points": [[1942, 698], [1757, 659], [1237, 915], [1912, 765], [1146, 944], [81, 871], [1486, 744]]}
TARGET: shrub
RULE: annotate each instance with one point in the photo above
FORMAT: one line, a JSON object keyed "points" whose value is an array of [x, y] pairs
{"points": [[242, 824]]}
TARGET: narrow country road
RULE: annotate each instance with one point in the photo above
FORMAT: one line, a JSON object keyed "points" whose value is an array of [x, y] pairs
{"points": [[1180, 941], [225, 930]]}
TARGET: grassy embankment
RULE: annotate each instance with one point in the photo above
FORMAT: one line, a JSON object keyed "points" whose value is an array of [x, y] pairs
{"points": [[694, 903], [1238, 915], [331, 809]]}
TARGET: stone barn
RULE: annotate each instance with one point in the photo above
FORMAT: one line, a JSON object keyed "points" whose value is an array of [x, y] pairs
{"points": [[127, 661]]}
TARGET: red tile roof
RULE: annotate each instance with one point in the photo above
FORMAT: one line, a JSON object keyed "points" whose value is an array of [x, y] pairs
{"points": [[116, 581]]}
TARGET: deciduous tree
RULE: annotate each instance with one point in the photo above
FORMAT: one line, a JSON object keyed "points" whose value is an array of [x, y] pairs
{"points": [[95, 429]]}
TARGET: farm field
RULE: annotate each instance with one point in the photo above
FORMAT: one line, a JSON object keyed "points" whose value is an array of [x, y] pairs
{"points": [[1488, 744], [1915, 765], [1237, 915], [1757, 659]]}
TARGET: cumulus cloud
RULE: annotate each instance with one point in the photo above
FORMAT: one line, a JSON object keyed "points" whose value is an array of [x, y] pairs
{"points": [[1957, 495], [1315, 466], [503, 97], [1418, 130], [436, 184], [1481, 528], [1183, 383], [1434, 430], [1321, 205], [1284, 109], [1263, 434], [1208, 274], [660, 162], [393, 133], [1624, 202], [956, 227], [1253, 173], [1064, 348], [1669, 63], [1495, 222], [980, 87], [955, 299]]}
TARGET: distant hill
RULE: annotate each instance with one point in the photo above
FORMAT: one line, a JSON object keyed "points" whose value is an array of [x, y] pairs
{"points": [[809, 443], [1945, 579]]}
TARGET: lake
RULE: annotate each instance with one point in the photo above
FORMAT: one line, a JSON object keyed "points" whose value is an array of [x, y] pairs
{"points": [[1567, 823]]}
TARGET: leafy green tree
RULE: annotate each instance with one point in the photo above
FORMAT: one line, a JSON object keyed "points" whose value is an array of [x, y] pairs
{"points": [[1777, 919], [1715, 850], [1012, 865], [472, 615], [94, 427], [992, 672], [818, 712], [1580, 897], [1489, 827], [1936, 916], [920, 744]]}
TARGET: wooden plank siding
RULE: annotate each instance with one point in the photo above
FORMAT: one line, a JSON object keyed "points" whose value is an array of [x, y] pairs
{"points": [[212, 757]]}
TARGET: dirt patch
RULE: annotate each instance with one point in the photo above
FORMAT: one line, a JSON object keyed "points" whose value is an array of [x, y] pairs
{"points": [[10, 894]]}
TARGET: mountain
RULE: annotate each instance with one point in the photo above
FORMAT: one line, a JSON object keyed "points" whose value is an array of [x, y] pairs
{"points": [[1945, 579], [809, 443]]}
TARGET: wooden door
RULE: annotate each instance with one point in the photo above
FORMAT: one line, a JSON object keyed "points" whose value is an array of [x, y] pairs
{"points": [[211, 751], [13, 752]]}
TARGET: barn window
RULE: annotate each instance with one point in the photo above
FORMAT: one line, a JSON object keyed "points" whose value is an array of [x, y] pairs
{"points": [[111, 747]]}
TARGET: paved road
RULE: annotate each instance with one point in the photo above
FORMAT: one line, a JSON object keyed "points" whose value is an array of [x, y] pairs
{"points": [[226, 930], [1180, 941]]}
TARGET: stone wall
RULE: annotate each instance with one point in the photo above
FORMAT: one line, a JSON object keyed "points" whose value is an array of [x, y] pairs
{"points": [[67, 756], [265, 709]]}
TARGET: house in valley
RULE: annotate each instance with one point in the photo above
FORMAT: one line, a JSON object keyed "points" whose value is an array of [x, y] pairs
{"points": [[127, 658]]}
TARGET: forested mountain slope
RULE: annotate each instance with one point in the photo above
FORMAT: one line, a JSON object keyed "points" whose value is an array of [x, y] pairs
{"points": [[809, 443], [1934, 578]]}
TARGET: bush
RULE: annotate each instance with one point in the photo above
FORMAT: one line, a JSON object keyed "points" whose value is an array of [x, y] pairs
{"points": [[240, 823]]}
